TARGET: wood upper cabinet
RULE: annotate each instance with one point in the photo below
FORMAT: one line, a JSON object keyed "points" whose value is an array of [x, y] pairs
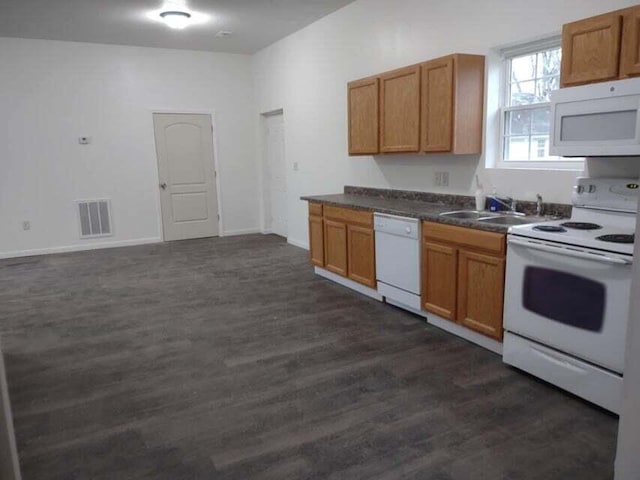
{"points": [[363, 100], [630, 46], [316, 234], [400, 110], [601, 48], [463, 276], [361, 255], [481, 292], [335, 246], [591, 49], [452, 104], [439, 279]]}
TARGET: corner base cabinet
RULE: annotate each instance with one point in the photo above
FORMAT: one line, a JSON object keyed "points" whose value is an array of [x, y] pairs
{"points": [[342, 241], [463, 276]]}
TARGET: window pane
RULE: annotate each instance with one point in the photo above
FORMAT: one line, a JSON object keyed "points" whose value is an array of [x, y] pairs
{"points": [[523, 93], [540, 148], [549, 63], [518, 122], [544, 87], [516, 148], [523, 68], [541, 120]]}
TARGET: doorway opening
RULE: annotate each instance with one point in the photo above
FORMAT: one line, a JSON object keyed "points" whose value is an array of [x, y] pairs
{"points": [[274, 175]]}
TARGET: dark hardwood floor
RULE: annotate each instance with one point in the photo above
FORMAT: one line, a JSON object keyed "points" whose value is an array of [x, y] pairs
{"points": [[229, 359]]}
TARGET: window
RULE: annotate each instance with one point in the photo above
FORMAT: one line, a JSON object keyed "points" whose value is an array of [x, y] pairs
{"points": [[531, 73]]}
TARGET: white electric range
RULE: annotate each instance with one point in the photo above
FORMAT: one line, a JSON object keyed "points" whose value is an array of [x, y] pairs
{"points": [[569, 283]]}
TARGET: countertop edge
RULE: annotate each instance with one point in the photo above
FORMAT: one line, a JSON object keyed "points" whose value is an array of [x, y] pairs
{"points": [[457, 222]]}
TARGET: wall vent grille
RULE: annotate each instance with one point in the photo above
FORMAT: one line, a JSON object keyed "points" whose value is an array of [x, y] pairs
{"points": [[95, 218]]}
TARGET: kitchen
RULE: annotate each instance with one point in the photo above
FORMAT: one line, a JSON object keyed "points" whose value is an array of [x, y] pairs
{"points": [[371, 37]]}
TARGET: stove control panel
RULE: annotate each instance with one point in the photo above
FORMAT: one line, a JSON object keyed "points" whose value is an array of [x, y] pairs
{"points": [[618, 194]]}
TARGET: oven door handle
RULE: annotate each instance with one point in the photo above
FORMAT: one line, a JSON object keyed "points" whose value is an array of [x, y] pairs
{"points": [[569, 253]]}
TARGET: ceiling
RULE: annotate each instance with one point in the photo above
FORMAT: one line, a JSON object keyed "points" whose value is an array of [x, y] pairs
{"points": [[254, 24]]}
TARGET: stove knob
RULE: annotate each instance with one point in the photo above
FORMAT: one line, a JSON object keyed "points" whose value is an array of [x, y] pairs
{"points": [[579, 189], [592, 189]]}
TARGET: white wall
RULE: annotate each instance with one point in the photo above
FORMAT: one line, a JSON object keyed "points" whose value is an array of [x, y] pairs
{"points": [[51, 93], [306, 74], [627, 459]]}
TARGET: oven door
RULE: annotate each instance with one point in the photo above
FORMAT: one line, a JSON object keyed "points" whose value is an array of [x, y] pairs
{"points": [[574, 300]]}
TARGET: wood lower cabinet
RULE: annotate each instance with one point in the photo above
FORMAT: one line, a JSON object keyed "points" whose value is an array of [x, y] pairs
{"points": [[601, 48], [335, 246], [363, 116], [361, 255], [400, 110], [316, 240], [439, 279], [481, 292], [348, 242], [463, 276]]}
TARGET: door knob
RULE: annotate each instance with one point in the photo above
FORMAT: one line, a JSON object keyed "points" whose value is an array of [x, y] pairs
{"points": [[163, 186]]}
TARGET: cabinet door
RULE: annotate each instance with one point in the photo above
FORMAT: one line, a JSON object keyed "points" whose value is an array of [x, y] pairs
{"points": [[362, 255], [630, 47], [591, 50], [335, 247], [439, 270], [400, 110], [481, 292], [437, 105], [363, 116], [316, 240]]}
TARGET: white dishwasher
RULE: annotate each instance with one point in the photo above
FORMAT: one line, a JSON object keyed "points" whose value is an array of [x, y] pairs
{"points": [[398, 260]]}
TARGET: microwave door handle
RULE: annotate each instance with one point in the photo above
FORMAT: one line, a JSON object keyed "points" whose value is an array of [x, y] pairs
{"points": [[569, 253]]}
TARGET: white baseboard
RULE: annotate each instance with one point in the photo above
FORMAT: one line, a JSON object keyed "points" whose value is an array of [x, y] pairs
{"points": [[79, 248], [246, 231], [298, 243], [345, 282], [470, 335]]}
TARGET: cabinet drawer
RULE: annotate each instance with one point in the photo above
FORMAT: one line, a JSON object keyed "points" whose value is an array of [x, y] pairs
{"points": [[468, 237], [349, 215], [315, 209]]}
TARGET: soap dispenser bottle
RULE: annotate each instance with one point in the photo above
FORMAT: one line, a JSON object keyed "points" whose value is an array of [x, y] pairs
{"points": [[494, 206]]}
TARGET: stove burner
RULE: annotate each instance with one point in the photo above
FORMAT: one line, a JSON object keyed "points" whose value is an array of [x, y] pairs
{"points": [[550, 228], [581, 225], [617, 238]]}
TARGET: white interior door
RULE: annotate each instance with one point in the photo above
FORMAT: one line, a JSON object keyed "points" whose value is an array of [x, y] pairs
{"points": [[184, 145], [275, 175]]}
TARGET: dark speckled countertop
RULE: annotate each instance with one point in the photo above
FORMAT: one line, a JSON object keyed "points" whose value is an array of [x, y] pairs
{"points": [[425, 206]]}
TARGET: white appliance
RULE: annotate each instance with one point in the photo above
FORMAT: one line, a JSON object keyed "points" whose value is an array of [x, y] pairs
{"points": [[569, 283], [398, 260], [596, 120]]}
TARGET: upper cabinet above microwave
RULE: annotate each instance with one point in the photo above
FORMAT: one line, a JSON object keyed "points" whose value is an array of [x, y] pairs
{"points": [[435, 106], [601, 48]]}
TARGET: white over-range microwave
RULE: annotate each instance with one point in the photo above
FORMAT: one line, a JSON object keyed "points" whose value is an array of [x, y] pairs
{"points": [[599, 120]]}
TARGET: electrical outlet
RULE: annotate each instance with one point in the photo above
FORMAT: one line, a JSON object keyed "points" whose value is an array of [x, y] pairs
{"points": [[26, 225], [296, 167], [442, 179]]}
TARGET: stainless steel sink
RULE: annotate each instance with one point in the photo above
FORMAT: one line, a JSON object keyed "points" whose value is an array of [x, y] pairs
{"points": [[508, 220], [468, 214]]}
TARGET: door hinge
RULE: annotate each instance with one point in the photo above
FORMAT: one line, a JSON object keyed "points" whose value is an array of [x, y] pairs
{"points": [[218, 216]]}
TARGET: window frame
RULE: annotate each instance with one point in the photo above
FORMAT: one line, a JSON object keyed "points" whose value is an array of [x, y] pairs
{"points": [[507, 54]]}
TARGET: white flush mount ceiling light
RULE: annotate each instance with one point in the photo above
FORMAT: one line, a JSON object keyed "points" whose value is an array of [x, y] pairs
{"points": [[176, 19], [175, 14]]}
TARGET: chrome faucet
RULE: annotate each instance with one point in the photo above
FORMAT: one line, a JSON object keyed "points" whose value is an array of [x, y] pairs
{"points": [[538, 205]]}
